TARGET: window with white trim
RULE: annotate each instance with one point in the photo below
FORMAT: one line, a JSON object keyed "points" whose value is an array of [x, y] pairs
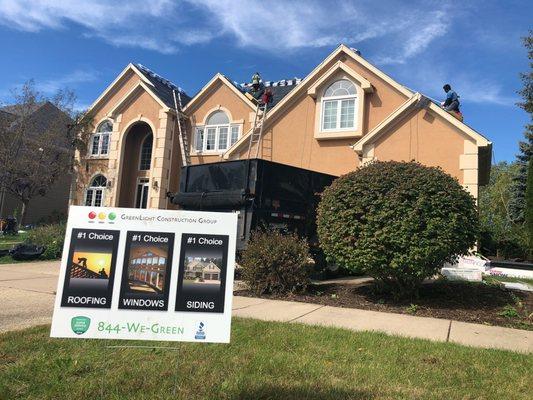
{"points": [[94, 195], [217, 134], [100, 139], [339, 106]]}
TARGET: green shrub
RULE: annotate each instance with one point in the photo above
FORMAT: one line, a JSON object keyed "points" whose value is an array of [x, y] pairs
{"points": [[276, 263], [398, 222], [50, 236]]}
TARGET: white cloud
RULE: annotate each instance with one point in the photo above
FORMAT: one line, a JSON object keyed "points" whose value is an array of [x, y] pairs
{"points": [[407, 29], [51, 86]]}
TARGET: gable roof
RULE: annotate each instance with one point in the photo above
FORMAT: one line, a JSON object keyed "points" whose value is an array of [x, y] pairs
{"points": [[418, 101], [233, 86], [354, 54], [413, 99], [159, 88]]}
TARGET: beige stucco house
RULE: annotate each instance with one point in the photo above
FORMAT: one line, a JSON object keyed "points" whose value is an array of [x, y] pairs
{"points": [[345, 113]]}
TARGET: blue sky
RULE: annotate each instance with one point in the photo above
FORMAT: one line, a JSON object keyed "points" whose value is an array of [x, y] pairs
{"points": [[475, 47]]}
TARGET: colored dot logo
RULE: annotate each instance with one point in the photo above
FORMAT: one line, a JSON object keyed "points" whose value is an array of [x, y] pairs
{"points": [[101, 216]]}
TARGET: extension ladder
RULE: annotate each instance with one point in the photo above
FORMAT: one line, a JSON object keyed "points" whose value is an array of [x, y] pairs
{"points": [[257, 131], [182, 132]]}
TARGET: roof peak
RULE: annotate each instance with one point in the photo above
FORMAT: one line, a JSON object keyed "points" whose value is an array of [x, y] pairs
{"points": [[158, 77]]}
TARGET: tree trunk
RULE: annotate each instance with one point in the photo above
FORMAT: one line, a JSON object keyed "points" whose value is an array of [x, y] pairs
{"points": [[23, 213]]}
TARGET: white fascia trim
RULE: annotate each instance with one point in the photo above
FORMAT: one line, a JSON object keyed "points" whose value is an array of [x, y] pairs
{"points": [[383, 125], [208, 86], [402, 89], [480, 140], [340, 66], [102, 97]]}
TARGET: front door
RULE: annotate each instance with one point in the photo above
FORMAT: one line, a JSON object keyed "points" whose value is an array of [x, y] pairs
{"points": [[141, 199]]}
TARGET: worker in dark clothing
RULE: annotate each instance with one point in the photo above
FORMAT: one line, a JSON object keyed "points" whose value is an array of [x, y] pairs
{"points": [[257, 88], [451, 103]]}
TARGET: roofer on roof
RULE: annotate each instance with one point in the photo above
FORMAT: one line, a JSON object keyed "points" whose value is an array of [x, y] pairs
{"points": [[451, 103]]}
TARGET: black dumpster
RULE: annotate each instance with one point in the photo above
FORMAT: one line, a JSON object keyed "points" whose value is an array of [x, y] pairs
{"points": [[266, 194]]}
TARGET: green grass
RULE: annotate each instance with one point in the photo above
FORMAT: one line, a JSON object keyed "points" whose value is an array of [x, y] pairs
{"points": [[263, 361], [6, 242]]}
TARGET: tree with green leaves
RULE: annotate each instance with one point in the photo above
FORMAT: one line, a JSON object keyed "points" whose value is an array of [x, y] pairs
{"points": [[517, 206], [38, 137], [529, 206], [500, 235]]}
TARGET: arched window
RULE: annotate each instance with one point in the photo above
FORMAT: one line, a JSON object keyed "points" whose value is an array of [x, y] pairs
{"points": [[100, 140], [217, 134], [145, 159], [338, 106], [94, 195]]}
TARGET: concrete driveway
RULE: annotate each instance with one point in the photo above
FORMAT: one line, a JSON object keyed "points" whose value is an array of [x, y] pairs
{"points": [[27, 293]]}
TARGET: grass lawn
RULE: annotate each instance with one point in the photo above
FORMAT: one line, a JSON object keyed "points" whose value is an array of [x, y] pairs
{"points": [[6, 242], [264, 361]]}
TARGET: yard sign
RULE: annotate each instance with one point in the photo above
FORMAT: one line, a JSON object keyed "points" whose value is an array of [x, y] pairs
{"points": [[146, 274]]}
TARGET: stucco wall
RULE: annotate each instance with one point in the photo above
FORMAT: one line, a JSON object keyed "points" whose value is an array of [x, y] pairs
{"points": [[221, 97], [289, 138], [425, 137]]}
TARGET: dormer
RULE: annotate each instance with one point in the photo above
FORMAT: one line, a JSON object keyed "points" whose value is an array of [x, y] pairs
{"points": [[340, 97]]}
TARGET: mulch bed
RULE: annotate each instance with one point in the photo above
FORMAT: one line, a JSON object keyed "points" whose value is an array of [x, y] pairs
{"points": [[469, 302]]}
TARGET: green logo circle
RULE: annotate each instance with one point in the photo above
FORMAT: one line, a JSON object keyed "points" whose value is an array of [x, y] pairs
{"points": [[112, 216]]}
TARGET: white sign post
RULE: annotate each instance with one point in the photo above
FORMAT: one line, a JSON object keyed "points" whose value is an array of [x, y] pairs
{"points": [[146, 275]]}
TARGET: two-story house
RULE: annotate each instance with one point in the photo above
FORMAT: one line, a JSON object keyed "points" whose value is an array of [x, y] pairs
{"points": [[344, 113]]}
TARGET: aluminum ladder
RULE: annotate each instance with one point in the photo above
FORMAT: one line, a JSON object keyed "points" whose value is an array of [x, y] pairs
{"points": [[182, 131], [257, 131]]}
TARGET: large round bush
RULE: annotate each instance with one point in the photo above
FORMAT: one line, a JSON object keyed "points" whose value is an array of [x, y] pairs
{"points": [[398, 222], [276, 263]]}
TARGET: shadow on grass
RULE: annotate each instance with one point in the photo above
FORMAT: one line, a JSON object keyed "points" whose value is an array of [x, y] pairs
{"points": [[309, 393]]}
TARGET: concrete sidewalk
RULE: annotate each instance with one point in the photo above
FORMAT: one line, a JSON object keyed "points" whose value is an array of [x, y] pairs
{"points": [[442, 330], [27, 296]]}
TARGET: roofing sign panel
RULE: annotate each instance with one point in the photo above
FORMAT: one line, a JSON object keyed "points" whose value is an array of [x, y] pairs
{"points": [[146, 275]]}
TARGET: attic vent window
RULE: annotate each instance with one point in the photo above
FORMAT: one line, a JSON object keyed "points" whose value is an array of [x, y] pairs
{"points": [[339, 106]]}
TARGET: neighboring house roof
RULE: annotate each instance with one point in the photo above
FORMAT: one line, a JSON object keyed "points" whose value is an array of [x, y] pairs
{"points": [[39, 117]]}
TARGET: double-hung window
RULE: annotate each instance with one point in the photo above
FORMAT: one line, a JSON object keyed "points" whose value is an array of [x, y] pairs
{"points": [[217, 135], [99, 145], [339, 106]]}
